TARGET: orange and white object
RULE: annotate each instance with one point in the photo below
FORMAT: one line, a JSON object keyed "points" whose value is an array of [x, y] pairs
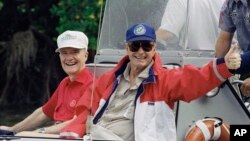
{"points": [[208, 129]]}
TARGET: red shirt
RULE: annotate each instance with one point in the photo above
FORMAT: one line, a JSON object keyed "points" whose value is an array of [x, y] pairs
{"points": [[61, 106]]}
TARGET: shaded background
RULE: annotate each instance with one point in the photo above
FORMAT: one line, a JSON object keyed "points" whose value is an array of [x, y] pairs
{"points": [[30, 69]]}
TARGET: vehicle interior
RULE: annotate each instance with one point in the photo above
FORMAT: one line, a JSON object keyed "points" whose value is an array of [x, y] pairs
{"points": [[224, 102]]}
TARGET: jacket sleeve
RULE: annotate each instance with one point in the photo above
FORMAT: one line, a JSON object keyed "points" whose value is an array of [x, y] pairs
{"points": [[245, 64], [190, 82]]}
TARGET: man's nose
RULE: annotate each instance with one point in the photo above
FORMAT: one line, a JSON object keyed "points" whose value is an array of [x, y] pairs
{"points": [[69, 55], [140, 49]]}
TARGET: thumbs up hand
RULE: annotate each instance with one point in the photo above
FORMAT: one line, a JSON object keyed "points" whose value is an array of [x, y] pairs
{"points": [[232, 58]]}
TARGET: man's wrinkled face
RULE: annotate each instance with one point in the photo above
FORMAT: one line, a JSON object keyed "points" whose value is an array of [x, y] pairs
{"points": [[140, 53], [73, 60]]}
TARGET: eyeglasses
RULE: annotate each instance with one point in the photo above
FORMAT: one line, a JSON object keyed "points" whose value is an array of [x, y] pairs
{"points": [[145, 45]]}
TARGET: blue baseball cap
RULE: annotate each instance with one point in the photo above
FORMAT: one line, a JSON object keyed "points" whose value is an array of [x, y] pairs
{"points": [[140, 32]]}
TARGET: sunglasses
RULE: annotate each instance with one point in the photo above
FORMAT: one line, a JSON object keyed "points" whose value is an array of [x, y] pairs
{"points": [[145, 45]]}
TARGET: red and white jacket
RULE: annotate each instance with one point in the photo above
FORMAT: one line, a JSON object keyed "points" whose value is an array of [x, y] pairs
{"points": [[154, 119]]}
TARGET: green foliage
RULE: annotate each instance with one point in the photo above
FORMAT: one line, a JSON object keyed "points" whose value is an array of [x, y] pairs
{"points": [[1, 5], [82, 15]]}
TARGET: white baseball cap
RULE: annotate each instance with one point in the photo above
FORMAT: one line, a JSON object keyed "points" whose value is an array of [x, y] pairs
{"points": [[74, 39]]}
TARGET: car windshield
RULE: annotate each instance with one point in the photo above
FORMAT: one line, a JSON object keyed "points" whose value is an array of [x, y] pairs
{"points": [[121, 14], [192, 29]]}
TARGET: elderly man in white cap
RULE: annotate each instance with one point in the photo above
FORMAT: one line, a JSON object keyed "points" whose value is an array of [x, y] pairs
{"points": [[72, 49]]}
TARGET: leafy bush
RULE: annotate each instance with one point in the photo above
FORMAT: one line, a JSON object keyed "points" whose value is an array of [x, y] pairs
{"points": [[79, 15]]}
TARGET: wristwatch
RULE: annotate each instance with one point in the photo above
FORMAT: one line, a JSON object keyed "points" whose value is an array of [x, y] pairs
{"points": [[41, 130]]}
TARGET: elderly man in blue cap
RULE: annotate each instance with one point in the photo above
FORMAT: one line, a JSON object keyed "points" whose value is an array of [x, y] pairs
{"points": [[135, 100]]}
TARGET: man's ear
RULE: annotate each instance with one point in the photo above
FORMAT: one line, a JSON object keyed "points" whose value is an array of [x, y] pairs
{"points": [[126, 46], [86, 55], [154, 47]]}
